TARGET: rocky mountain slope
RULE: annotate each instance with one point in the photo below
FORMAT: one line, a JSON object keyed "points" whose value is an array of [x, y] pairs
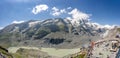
{"points": [[58, 33]]}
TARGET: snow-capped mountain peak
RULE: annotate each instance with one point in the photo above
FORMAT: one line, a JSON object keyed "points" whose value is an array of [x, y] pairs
{"points": [[80, 26], [78, 17]]}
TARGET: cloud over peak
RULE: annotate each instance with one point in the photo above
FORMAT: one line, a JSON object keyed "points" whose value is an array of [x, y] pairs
{"points": [[57, 12], [39, 8], [55, 9], [76, 14]]}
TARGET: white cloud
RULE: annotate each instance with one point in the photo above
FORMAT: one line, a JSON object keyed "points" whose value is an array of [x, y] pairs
{"points": [[55, 9], [63, 11], [17, 22], [69, 18], [76, 14], [69, 8], [39, 8], [57, 12], [1, 28], [109, 26]]}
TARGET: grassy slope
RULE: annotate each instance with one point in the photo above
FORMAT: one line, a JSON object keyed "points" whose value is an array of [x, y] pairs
{"points": [[5, 53]]}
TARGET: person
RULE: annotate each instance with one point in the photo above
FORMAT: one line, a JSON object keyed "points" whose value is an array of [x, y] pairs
{"points": [[92, 45]]}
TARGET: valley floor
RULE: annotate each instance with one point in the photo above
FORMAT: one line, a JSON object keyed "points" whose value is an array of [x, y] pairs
{"points": [[102, 49], [49, 51]]}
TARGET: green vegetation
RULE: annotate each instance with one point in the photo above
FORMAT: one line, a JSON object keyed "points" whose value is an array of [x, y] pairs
{"points": [[80, 56], [5, 36], [62, 27], [17, 55], [53, 28], [30, 53], [41, 33], [17, 35], [44, 32], [30, 33], [5, 45], [4, 40], [5, 53]]}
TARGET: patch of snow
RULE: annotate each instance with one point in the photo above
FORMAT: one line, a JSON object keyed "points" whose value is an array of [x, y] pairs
{"points": [[33, 23], [17, 22], [103, 26], [48, 21], [78, 16], [105, 34], [109, 26], [16, 29], [56, 20], [67, 21]]}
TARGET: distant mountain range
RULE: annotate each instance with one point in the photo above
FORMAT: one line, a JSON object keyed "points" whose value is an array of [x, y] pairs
{"points": [[58, 33]]}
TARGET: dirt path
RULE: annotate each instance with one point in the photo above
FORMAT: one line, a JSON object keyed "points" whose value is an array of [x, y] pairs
{"points": [[103, 50]]}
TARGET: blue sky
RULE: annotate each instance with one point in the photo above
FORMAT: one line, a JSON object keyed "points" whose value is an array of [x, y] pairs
{"points": [[101, 11]]}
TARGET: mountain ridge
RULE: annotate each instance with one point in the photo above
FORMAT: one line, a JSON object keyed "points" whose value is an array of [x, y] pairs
{"points": [[56, 32]]}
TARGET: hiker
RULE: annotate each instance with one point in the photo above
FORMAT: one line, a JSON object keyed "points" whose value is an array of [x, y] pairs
{"points": [[92, 44]]}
